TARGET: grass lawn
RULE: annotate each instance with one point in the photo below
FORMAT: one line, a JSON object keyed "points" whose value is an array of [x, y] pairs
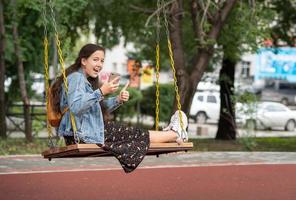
{"points": [[247, 144], [14, 146]]}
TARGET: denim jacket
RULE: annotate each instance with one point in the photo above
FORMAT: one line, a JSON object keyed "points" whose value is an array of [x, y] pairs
{"points": [[84, 103]]}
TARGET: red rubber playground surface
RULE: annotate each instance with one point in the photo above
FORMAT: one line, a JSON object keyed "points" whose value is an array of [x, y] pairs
{"points": [[234, 182]]}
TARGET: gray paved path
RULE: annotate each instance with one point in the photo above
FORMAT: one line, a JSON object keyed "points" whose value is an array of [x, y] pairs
{"points": [[36, 164]]}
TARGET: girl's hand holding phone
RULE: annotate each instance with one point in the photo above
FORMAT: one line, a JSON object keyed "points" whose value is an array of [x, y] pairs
{"points": [[111, 86]]}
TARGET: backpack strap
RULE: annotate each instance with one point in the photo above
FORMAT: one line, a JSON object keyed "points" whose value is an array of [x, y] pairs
{"points": [[65, 110]]}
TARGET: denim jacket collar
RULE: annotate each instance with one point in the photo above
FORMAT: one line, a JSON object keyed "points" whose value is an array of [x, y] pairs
{"points": [[85, 78]]}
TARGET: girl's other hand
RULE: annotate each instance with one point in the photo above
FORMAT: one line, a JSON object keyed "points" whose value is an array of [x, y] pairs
{"points": [[124, 94]]}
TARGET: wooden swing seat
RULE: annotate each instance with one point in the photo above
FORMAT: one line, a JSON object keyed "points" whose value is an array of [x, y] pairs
{"points": [[93, 150]]}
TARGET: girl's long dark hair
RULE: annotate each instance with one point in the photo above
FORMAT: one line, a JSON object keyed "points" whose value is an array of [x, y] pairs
{"points": [[56, 89]]}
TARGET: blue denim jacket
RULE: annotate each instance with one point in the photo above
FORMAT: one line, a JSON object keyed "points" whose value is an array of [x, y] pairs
{"points": [[84, 103]]}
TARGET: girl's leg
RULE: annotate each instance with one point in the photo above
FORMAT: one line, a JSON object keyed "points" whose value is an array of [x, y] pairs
{"points": [[162, 136]]}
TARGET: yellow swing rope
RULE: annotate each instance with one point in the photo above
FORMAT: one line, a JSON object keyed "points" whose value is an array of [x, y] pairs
{"points": [[173, 66], [61, 60], [65, 80], [46, 73], [157, 70]]}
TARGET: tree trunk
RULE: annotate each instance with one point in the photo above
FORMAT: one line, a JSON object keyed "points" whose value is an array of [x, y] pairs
{"points": [[178, 52], [201, 63], [2, 75], [227, 125], [205, 53], [21, 77]]}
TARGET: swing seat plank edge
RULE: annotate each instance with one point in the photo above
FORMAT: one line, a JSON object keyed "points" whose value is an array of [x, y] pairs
{"points": [[92, 150]]}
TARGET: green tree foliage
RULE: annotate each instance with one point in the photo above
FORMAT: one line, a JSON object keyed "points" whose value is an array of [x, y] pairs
{"points": [[29, 47], [166, 100], [242, 33], [112, 19], [283, 24], [245, 30], [115, 20], [30, 26]]}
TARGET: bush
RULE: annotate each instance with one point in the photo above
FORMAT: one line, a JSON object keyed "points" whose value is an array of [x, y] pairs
{"points": [[166, 100], [246, 97]]}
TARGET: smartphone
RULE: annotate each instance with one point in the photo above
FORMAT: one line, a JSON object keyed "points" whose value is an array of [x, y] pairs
{"points": [[113, 75]]}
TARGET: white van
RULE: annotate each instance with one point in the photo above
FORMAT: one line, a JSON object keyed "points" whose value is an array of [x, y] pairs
{"points": [[205, 106]]}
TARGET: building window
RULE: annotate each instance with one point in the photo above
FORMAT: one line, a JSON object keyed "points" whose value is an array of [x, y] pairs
{"points": [[245, 69]]}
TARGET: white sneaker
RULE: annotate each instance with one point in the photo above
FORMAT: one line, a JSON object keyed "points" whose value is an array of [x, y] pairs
{"points": [[175, 125]]}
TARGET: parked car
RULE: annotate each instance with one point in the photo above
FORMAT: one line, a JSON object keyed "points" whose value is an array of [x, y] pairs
{"points": [[205, 105], [282, 92], [267, 115]]}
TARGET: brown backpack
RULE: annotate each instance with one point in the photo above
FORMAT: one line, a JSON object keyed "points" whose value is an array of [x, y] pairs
{"points": [[54, 118]]}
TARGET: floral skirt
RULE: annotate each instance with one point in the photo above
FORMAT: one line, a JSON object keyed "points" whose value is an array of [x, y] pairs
{"points": [[128, 144]]}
